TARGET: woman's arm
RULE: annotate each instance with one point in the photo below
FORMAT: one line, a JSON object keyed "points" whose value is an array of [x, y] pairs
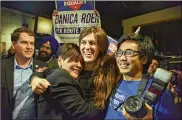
{"points": [[67, 98], [65, 94], [38, 83]]}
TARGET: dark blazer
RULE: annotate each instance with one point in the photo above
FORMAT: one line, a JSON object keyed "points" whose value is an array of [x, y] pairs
{"points": [[64, 99], [7, 85]]}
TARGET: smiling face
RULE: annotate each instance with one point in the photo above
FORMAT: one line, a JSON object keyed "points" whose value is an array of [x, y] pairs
{"points": [[89, 48], [45, 52], [153, 66], [24, 46], [73, 67], [130, 65]]}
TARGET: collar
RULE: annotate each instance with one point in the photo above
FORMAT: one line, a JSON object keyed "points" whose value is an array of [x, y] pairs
{"points": [[16, 66]]}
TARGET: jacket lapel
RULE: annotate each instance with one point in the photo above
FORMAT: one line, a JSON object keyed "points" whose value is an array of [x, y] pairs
{"points": [[34, 65], [10, 73]]}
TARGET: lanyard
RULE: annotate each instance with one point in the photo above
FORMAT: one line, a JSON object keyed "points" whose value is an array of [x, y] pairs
{"points": [[140, 91]]}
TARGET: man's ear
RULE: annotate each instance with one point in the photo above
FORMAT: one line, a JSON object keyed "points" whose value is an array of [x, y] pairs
{"points": [[144, 59], [13, 44], [60, 60]]}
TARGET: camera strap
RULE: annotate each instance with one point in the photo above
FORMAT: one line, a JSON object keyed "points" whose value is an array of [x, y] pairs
{"points": [[142, 85]]}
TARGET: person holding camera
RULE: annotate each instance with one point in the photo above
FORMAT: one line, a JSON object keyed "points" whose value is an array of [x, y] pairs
{"points": [[133, 57], [175, 84]]}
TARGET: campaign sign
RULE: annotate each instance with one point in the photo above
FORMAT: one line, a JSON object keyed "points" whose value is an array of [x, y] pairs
{"points": [[70, 5], [112, 46], [73, 16]]}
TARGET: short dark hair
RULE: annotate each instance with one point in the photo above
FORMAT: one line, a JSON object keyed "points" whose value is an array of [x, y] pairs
{"points": [[72, 51], [145, 46], [16, 33]]}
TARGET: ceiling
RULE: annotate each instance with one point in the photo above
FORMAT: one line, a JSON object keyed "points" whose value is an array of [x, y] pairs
{"points": [[111, 12]]}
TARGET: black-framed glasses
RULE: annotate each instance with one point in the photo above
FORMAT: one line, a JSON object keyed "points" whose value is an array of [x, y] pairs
{"points": [[127, 53]]}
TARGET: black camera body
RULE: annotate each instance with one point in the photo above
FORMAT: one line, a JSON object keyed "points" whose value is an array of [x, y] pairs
{"points": [[135, 105], [173, 63]]}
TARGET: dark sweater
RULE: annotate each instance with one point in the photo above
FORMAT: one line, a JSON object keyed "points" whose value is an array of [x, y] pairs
{"points": [[64, 99], [86, 82]]}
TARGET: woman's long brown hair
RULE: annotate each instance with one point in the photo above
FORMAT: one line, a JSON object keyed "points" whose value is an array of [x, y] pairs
{"points": [[106, 71], [105, 79]]}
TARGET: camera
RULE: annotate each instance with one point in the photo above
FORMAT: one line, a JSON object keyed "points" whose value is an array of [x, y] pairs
{"points": [[135, 105], [173, 63]]}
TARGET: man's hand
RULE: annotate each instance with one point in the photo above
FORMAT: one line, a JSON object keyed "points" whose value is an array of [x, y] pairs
{"points": [[148, 116], [41, 69], [179, 75], [55, 12], [39, 85], [171, 87], [96, 13]]}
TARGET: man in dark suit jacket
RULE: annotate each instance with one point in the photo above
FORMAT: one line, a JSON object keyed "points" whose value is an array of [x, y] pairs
{"points": [[17, 99]]}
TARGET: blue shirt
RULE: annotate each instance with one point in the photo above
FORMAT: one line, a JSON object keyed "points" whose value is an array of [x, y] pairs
{"points": [[24, 104], [164, 109]]}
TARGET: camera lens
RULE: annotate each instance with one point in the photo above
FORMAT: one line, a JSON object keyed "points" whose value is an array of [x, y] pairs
{"points": [[135, 106]]}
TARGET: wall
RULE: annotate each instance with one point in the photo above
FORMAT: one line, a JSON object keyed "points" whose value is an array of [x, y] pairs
{"points": [[168, 14], [44, 26], [12, 19]]}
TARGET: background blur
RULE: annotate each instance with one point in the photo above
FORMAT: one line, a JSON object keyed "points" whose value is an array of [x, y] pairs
{"points": [[160, 20]]}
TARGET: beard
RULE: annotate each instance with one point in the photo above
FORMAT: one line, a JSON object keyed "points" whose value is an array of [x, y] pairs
{"points": [[44, 57]]}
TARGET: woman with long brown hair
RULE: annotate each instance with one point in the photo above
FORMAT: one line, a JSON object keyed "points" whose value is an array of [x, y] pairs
{"points": [[100, 72]]}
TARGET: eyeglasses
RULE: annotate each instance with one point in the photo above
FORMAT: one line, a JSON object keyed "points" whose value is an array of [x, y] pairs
{"points": [[127, 53]]}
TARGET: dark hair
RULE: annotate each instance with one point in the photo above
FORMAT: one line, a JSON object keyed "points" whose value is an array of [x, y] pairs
{"points": [[16, 33], [72, 51], [99, 35], [145, 46], [105, 71]]}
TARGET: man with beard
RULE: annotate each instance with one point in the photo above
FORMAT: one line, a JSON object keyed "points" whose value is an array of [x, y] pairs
{"points": [[47, 51]]}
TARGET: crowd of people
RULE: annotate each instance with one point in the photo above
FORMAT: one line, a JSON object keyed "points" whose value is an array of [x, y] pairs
{"points": [[81, 82]]}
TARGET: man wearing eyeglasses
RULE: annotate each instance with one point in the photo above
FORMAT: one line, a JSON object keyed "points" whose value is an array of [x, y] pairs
{"points": [[133, 57], [47, 51]]}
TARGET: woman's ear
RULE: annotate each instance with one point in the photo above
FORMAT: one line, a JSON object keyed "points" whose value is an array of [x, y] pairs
{"points": [[144, 59], [60, 60]]}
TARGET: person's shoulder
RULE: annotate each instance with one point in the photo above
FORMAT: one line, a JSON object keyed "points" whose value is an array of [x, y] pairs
{"points": [[39, 62], [61, 76], [7, 60]]}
